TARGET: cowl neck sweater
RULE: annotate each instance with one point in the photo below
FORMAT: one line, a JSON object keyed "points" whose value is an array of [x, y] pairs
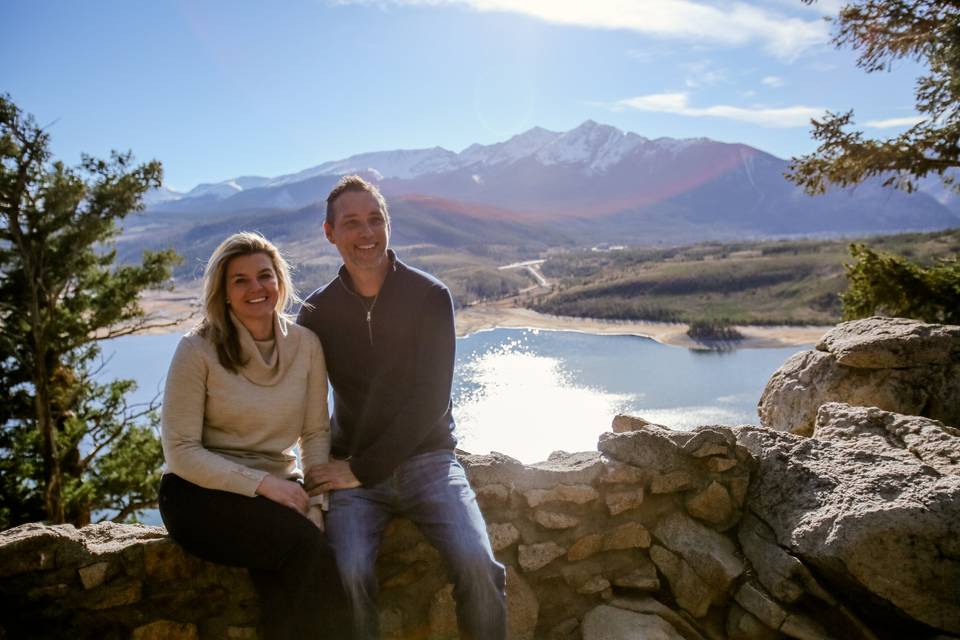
{"points": [[226, 430], [267, 373]]}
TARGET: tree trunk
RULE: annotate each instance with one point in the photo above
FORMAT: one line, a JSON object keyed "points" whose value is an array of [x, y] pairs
{"points": [[52, 475]]}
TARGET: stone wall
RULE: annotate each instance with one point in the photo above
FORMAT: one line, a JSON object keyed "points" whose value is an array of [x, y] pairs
{"points": [[643, 534], [647, 520]]}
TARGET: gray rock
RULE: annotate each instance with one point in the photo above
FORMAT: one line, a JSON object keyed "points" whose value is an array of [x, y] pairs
{"points": [[651, 449], [743, 625], [674, 481], [573, 493], [619, 473], [712, 555], [875, 527], [643, 577], [689, 589], [631, 535], [646, 604], [781, 573], [891, 343], [912, 438], [712, 504], [917, 384], [563, 468], [536, 556], [620, 501], [554, 519], [754, 599], [624, 424], [492, 468], [502, 535], [710, 441], [611, 623]]}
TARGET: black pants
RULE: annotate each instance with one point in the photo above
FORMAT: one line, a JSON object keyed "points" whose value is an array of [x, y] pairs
{"points": [[290, 562]]}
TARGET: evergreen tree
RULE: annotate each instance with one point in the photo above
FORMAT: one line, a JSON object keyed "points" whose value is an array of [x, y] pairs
{"points": [[892, 285], [69, 444], [883, 31]]}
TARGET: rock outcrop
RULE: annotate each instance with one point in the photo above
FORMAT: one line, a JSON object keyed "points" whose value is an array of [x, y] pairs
{"points": [[894, 364], [913, 438], [879, 528]]}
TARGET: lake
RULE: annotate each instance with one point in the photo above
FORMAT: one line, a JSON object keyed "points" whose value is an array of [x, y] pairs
{"points": [[528, 392]]}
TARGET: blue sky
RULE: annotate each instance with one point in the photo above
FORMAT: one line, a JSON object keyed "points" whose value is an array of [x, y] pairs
{"points": [[219, 89]]}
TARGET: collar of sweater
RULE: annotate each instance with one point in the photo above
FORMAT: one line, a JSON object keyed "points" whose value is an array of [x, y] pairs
{"points": [[347, 281], [267, 374]]}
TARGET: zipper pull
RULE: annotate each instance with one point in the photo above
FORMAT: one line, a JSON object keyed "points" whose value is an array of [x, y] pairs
{"points": [[368, 317]]}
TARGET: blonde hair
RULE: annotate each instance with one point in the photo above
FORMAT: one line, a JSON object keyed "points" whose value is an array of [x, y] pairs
{"points": [[216, 325]]}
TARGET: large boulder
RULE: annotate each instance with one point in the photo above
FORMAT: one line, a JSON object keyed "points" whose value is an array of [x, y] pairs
{"points": [[880, 529], [895, 364], [912, 438]]}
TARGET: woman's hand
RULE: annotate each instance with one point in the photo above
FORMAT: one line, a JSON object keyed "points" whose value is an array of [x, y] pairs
{"points": [[286, 492]]}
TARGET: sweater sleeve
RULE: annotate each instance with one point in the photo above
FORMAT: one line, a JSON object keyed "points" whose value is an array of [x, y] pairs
{"points": [[181, 428], [315, 435], [430, 400]]}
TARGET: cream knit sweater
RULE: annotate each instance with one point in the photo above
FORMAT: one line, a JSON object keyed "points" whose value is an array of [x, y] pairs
{"points": [[226, 431]]}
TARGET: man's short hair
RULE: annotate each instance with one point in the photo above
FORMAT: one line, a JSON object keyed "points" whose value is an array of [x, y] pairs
{"points": [[354, 183]]}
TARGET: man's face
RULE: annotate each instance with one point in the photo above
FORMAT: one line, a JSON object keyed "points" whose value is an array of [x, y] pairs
{"points": [[360, 231]]}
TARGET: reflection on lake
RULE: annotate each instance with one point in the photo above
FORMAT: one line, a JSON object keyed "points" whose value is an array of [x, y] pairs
{"points": [[527, 393]]}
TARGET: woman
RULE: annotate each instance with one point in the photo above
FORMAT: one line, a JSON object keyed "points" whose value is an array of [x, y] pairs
{"points": [[245, 386]]}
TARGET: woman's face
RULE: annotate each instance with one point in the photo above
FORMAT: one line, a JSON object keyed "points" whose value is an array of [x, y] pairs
{"points": [[252, 288]]}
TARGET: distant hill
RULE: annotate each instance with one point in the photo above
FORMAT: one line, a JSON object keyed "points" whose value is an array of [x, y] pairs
{"points": [[592, 184]]}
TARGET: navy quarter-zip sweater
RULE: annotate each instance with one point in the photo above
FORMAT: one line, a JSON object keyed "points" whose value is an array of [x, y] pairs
{"points": [[391, 370]]}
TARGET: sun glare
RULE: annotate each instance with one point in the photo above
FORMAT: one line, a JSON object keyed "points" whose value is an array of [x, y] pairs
{"points": [[527, 405]]}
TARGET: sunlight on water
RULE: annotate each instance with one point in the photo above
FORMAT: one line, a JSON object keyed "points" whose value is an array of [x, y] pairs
{"points": [[527, 405]]}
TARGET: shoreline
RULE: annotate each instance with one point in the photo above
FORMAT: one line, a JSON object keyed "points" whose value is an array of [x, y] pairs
{"points": [[166, 306], [485, 317]]}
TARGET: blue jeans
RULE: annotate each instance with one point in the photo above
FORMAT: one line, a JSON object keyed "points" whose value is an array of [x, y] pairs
{"points": [[431, 489]]}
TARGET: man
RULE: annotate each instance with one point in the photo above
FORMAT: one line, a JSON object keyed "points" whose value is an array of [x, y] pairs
{"points": [[388, 338]]}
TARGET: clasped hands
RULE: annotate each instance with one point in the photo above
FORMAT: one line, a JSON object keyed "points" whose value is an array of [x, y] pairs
{"points": [[331, 476], [318, 479]]}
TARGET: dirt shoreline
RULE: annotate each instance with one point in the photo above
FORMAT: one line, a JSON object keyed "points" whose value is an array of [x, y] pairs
{"points": [[169, 306], [491, 316]]}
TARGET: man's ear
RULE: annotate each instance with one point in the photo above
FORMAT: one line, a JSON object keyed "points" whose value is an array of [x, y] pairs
{"points": [[328, 232]]}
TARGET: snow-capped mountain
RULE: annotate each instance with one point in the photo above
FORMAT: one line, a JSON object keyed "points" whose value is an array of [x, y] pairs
{"points": [[161, 195], [594, 147], [594, 172]]}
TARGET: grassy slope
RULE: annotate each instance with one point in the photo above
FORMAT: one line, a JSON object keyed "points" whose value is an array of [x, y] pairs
{"points": [[772, 282]]}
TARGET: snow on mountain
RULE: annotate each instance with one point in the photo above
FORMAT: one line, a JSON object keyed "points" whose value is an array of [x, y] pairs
{"points": [[402, 164], [163, 194], [218, 190], [593, 145], [516, 148]]}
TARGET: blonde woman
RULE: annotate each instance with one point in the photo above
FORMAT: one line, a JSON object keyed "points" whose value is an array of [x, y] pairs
{"points": [[245, 387]]}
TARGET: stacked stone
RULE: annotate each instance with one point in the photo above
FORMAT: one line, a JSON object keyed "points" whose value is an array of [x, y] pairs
{"points": [[720, 533], [109, 581], [645, 526]]}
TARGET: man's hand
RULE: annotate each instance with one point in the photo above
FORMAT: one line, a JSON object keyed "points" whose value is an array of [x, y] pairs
{"points": [[331, 476], [286, 492]]}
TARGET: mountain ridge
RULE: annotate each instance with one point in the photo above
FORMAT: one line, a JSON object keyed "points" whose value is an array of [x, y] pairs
{"points": [[601, 181]]}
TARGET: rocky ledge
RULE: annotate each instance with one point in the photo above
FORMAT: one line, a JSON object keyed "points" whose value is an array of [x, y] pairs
{"points": [[718, 533]]}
